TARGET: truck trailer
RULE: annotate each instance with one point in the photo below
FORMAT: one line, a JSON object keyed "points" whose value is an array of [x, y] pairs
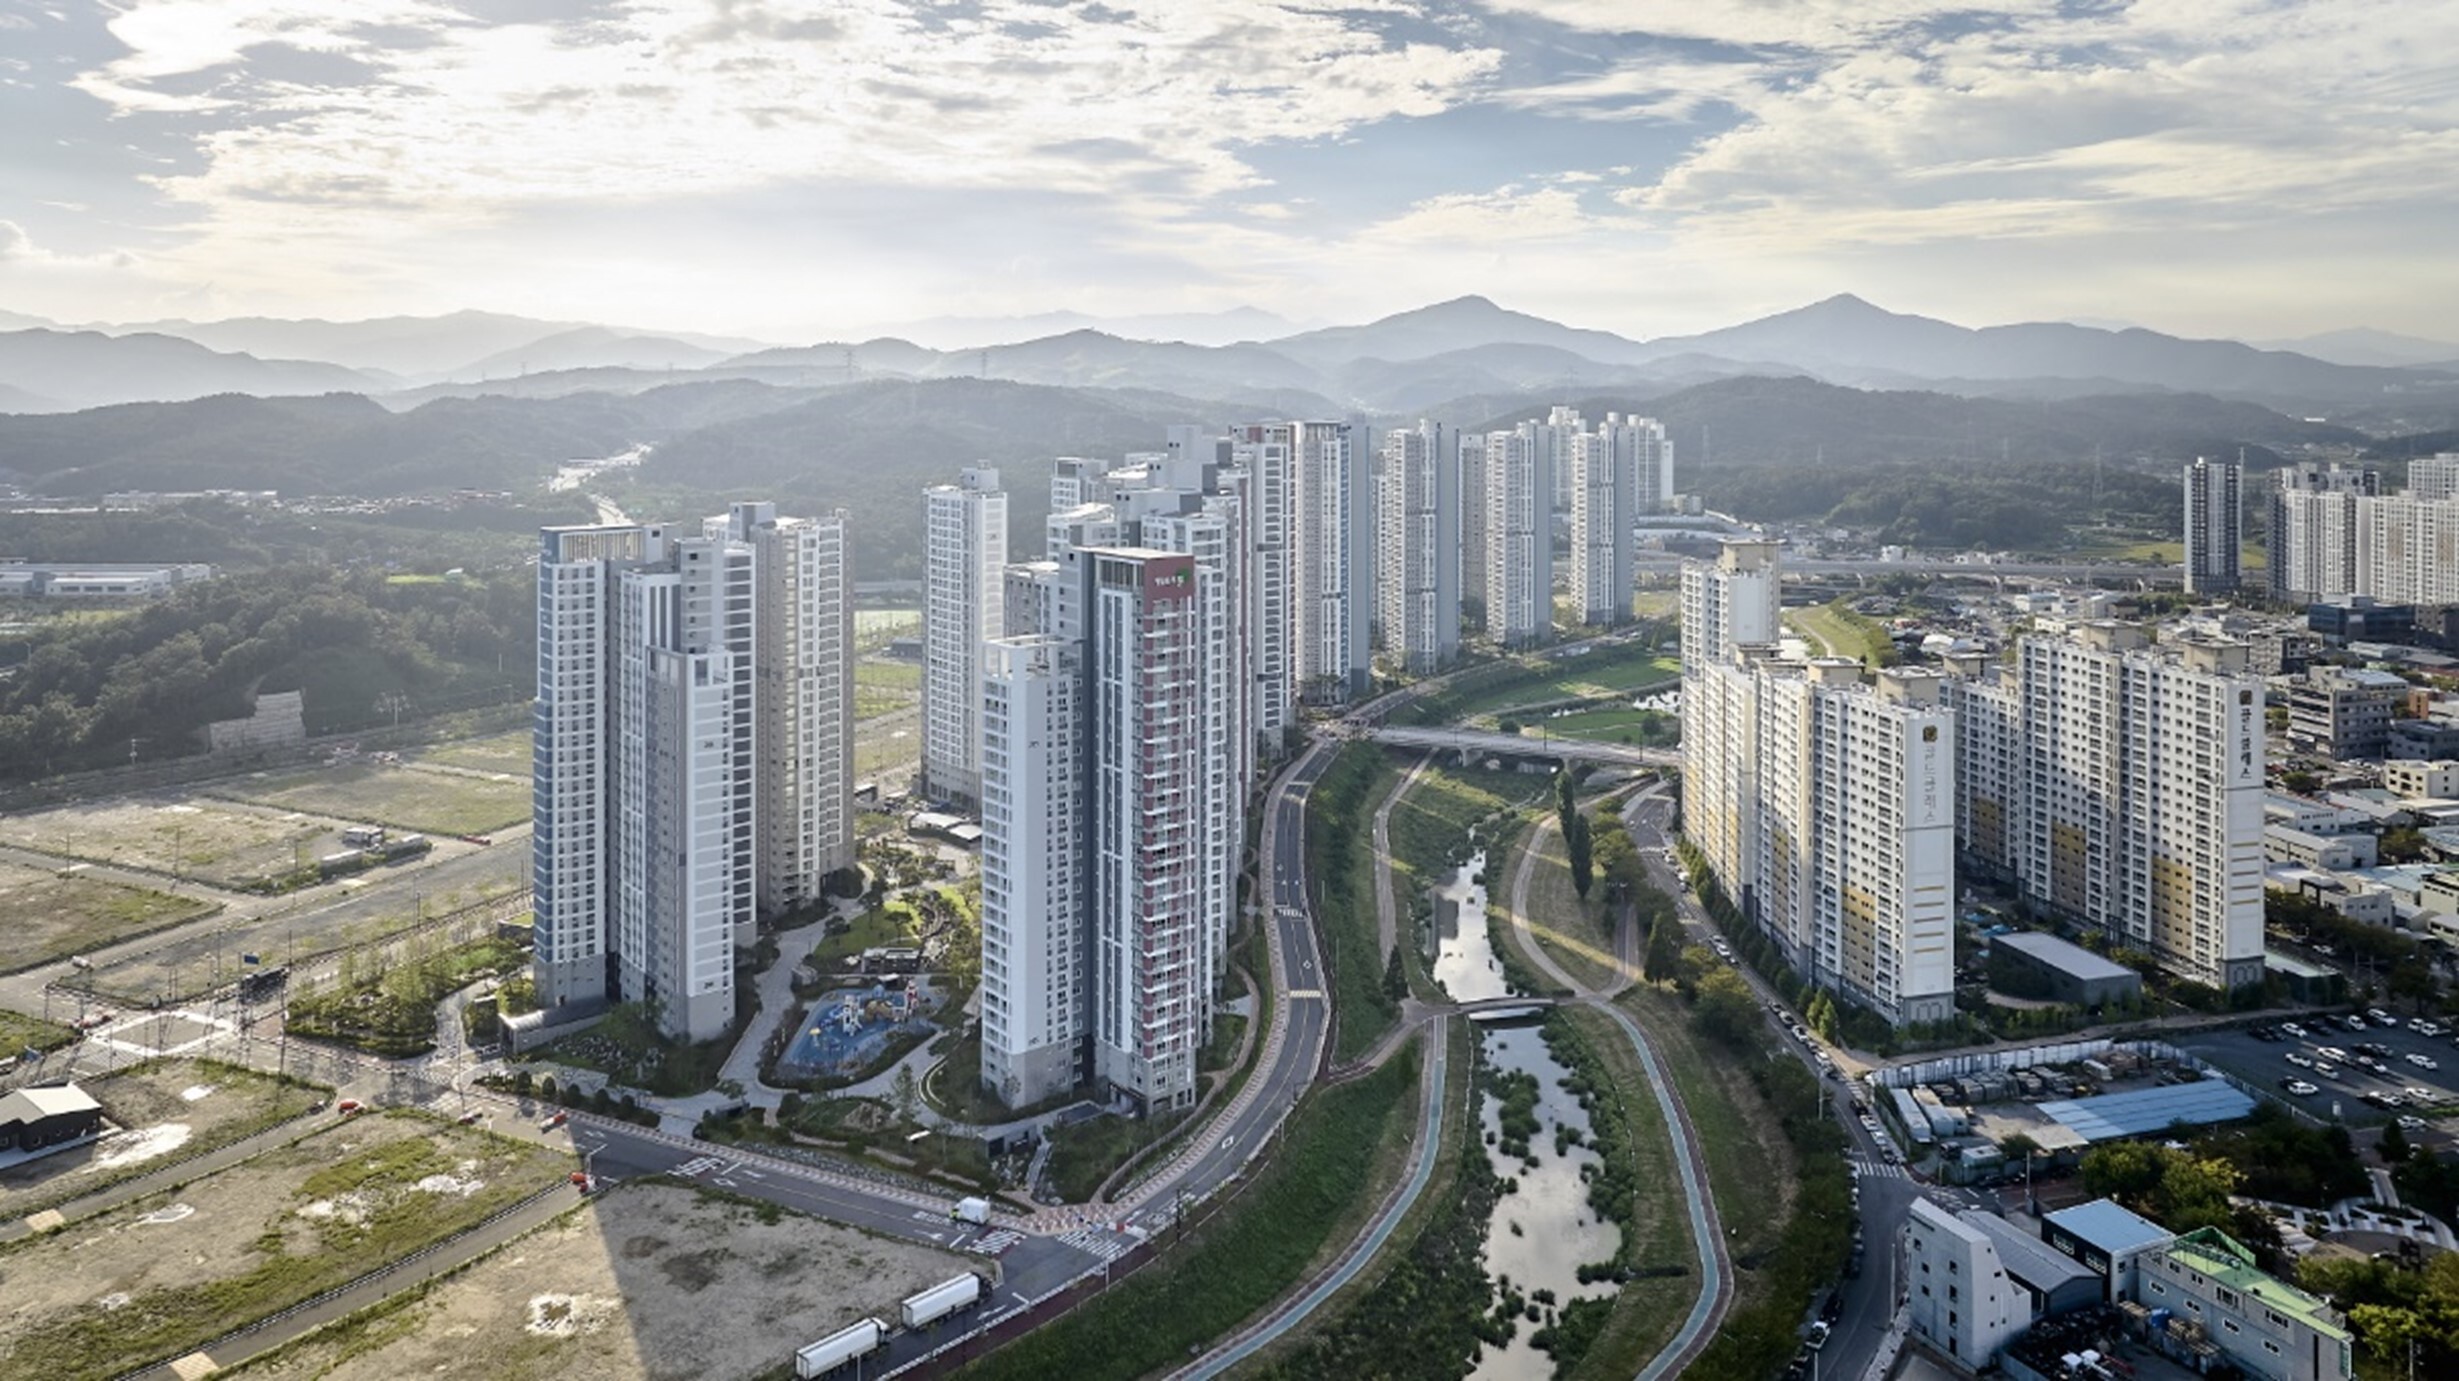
{"points": [[976, 1211], [857, 1339], [941, 1300]]}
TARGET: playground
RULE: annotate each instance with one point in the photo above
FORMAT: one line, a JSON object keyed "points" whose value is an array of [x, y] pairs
{"points": [[846, 1030]]}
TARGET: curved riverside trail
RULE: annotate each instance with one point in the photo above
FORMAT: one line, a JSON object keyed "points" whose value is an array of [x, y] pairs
{"points": [[1707, 1231]]}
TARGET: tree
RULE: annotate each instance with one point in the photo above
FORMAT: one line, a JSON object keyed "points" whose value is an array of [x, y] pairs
{"points": [[907, 1095], [2393, 1148], [1583, 853], [1663, 963], [1395, 979], [1723, 1008]]}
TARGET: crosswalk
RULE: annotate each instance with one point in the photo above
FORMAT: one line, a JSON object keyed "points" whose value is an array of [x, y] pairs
{"points": [[1100, 1242], [1880, 1170], [995, 1242]]}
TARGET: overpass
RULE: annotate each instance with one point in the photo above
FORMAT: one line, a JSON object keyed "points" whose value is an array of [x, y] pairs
{"points": [[1517, 745], [2069, 572]]}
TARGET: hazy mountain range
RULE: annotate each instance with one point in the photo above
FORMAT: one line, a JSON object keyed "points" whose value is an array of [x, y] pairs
{"points": [[1397, 365]]}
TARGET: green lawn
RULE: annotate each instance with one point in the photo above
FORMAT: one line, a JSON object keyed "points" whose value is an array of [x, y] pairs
{"points": [[1539, 679], [1430, 826], [1839, 632], [1307, 1197], [54, 915], [884, 687], [20, 1032], [1656, 1236], [507, 753], [1085, 1153], [1652, 728], [1340, 862]]}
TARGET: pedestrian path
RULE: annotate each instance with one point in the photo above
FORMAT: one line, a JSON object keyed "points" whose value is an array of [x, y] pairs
{"points": [[1100, 1242], [1878, 1170]]}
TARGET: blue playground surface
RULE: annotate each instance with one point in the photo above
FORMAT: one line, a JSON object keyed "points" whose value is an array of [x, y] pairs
{"points": [[847, 1029]]}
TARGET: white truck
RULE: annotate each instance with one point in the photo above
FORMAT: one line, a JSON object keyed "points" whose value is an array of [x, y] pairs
{"points": [[930, 1306], [857, 1339], [976, 1211]]}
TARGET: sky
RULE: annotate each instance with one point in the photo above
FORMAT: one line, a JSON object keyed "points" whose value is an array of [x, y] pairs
{"points": [[801, 169]]}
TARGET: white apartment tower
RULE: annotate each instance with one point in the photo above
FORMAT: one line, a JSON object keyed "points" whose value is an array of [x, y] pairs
{"points": [[1825, 806], [1519, 537], [1417, 491], [1034, 1016], [2139, 808], [1266, 454], [1620, 470], [804, 697], [2313, 547], [964, 556], [689, 765], [2215, 525], [1333, 573], [1473, 573]]}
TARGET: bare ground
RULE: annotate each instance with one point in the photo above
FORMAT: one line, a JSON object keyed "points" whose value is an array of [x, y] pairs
{"points": [[165, 1273], [653, 1281], [162, 1110]]}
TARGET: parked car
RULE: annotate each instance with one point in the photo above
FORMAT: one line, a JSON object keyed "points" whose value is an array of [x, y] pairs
{"points": [[2326, 1069], [2293, 1029], [2376, 1014], [2411, 1123], [349, 1107], [554, 1121], [2299, 1058], [2299, 1087], [2422, 1060]]}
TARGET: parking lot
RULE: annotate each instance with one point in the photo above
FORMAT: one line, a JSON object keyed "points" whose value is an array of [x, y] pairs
{"points": [[2341, 1081]]}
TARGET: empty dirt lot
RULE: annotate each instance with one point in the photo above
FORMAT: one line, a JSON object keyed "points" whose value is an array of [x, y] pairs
{"points": [[162, 1110], [161, 1275], [653, 1281]]}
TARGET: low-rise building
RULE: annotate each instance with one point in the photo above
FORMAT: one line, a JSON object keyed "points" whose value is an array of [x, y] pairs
{"points": [[2039, 965], [2326, 851], [2344, 712], [2424, 740], [2408, 777], [38, 1121], [1974, 1282], [2269, 1328], [2109, 1239], [2346, 617]]}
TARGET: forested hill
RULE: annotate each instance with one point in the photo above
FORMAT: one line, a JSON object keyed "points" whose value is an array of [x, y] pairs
{"points": [[80, 689]]}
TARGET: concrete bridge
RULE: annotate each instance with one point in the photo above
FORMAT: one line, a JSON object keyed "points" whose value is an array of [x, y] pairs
{"points": [[1520, 746]]}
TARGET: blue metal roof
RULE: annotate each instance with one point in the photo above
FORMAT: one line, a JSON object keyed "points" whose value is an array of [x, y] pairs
{"points": [[2110, 1226], [2144, 1111]]}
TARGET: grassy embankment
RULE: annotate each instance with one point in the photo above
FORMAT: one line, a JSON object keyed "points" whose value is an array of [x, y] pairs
{"points": [[1303, 1205]]}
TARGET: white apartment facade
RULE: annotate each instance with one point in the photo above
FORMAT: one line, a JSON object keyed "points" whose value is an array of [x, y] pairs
{"points": [[1825, 806], [1959, 1298], [1618, 471], [1034, 964], [1332, 546], [2139, 810], [1417, 490], [964, 558], [1519, 537]]}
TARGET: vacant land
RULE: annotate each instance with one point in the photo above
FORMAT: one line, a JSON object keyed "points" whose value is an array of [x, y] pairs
{"points": [[165, 1110], [422, 799], [20, 1032], [882, 686], [157, 1277], [210, 841], [54, 915], [1485, 693], [651, 1281], [507, 753]]}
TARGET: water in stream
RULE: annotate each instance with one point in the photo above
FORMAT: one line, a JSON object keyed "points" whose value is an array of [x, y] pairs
{"points": [[1544, 1230]]}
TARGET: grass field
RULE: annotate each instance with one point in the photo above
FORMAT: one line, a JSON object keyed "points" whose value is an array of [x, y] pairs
{"points": [[155, 1278], [1655, 728], [53, 916], [1305, 1201], [883, 687], [1430, 826], [507, 753], [876, 628], [1657, 1235], [423, 800], [1340, 862], [1083, 1154], [1841, 633], [19, 1032], [1571, 930], [1750, 1165], [1617, 670]]}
